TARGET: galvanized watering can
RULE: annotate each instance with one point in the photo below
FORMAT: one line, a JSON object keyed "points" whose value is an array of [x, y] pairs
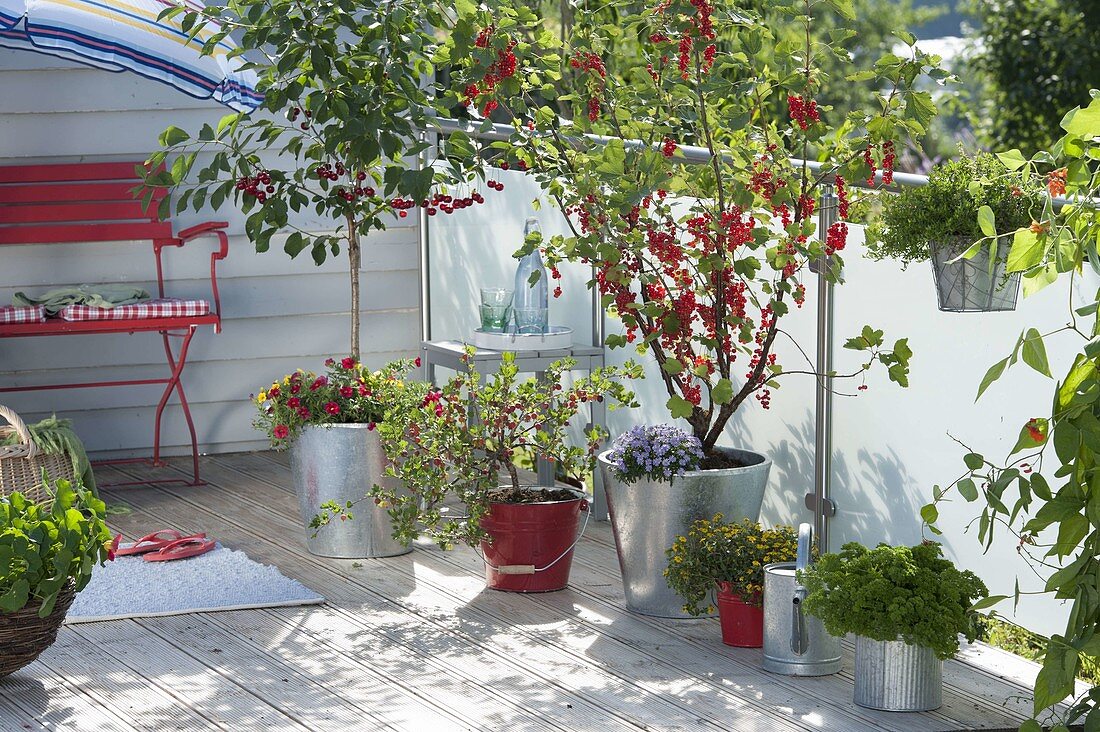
{"points": [[795, 643]]}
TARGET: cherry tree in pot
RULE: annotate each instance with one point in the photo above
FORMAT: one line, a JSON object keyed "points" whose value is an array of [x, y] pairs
{"points": [[329, 157]]}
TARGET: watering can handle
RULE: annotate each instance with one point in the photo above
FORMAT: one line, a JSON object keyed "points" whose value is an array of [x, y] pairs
{"points": [[798, 619]]}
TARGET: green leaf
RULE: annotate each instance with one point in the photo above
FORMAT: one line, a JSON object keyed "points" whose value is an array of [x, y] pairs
{"points": [[679, 407], [968, 490], [173, 136], [1027, 439], [987, 602], [844, 8], [1026, 252], [1035, 353], [672, 366], [992, 375], [1084, 123], [1013, 159], [1031, 726], [973, 460], [986, 221], [722, 392], [929, 513]]}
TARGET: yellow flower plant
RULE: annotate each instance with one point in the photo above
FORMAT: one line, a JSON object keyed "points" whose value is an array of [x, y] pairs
{"points": [[715, 552]]}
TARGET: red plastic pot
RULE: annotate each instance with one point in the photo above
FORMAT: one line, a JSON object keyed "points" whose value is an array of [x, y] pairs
{"points": [[532, 544], [742, 623]]}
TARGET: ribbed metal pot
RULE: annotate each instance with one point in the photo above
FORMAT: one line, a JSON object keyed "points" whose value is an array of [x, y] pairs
{"points": [[647, 516], [340, 463], [895, 676]]}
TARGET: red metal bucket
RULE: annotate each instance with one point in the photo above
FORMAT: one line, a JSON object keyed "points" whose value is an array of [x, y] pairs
{"points": [[742, 623], [532, 544]]}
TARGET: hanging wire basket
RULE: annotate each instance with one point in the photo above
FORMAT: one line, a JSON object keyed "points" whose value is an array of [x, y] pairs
{"points": [[969, 285]]}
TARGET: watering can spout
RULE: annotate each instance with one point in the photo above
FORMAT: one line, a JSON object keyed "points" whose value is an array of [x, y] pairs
{"points": [[799, 640]]}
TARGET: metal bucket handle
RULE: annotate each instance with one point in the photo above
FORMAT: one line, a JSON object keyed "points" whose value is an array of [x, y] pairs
{"points": [[799, 640], [532, 569]]}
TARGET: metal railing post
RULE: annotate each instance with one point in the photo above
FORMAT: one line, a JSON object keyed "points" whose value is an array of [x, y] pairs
{"points": [[819, 501]]}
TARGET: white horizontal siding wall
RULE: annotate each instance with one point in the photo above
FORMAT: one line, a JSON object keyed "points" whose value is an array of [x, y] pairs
{"points": [[279, 314]]}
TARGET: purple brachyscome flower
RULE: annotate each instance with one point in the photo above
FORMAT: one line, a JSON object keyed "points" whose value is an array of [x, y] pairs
{"points": [[659, 452]]}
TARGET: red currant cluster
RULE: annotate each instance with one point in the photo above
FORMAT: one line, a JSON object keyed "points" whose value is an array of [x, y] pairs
{"points": [[842, 198], [668, 147], [503, 67], [806, 206], [683, 61], [888, 158], [709, 54], [836, 238], [555, 274], [586, 61], [593, 109], [258, 186], [803, 111], [763, 181]]}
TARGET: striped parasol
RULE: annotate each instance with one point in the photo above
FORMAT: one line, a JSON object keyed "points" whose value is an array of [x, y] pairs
{"points": [[125, 35]]}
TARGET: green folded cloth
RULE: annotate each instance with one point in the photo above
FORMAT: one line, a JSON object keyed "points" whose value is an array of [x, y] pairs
{"points": [[97, 296]]}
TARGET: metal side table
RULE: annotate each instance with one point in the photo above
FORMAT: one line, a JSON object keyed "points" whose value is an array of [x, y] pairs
{"points": [[449, 354]]}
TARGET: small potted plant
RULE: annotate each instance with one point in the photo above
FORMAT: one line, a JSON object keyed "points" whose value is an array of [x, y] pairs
{"points": [[906, 606], [329, 423], [49, 552], [936, 223], [440, 451], [722, 564]]}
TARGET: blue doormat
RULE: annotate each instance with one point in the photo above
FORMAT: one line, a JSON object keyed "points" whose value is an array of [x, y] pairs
{"points": [[222, 579]]}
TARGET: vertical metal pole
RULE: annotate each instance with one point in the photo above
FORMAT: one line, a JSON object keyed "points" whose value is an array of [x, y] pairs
{"points": [[425, 259], [819, 501]]}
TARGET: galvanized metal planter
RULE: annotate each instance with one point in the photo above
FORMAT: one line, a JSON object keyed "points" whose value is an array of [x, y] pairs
{"points": [[966, 286], [897, 677], [340, 463], [647, 516]]}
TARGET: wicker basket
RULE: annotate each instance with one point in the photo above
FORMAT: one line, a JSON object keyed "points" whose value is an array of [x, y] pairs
{"points": [[21, 465], [24, 635]]}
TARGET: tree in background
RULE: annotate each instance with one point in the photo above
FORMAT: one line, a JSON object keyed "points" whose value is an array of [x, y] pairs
{"points": [[1038, 59]]}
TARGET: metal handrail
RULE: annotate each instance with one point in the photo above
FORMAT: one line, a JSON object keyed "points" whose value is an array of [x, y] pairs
{"points": [[692, 154]]}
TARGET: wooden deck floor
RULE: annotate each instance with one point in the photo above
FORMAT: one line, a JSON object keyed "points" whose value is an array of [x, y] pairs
{"points": [[417, 643]]}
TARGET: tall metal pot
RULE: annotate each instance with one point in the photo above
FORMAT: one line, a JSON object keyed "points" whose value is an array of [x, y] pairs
{"points": [[897, 677], [340, 463], [647, 516]]}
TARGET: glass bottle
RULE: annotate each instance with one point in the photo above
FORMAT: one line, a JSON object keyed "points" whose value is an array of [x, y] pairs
{"points": [[531, 304]]}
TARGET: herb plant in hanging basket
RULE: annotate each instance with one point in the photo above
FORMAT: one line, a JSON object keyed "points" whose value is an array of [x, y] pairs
{"points": [[936, 223]]}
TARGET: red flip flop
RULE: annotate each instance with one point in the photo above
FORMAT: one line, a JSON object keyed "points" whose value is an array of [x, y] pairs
{"points": [[189, 546], [153, 542]]}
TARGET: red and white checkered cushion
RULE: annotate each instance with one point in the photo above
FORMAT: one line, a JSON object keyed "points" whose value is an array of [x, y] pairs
{"points": [[22, 314], [168, 307]]}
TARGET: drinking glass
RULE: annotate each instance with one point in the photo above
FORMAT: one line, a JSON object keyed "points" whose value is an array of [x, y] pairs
{"points": [[532, 320], [495, 318], [496, 309]]}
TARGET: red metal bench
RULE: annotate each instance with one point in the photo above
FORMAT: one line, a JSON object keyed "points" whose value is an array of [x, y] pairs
{"points": [[92, 202]]}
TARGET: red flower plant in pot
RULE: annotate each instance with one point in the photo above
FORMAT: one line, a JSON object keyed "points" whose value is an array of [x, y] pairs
{"points": [[451, 452], [722, 564]]}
